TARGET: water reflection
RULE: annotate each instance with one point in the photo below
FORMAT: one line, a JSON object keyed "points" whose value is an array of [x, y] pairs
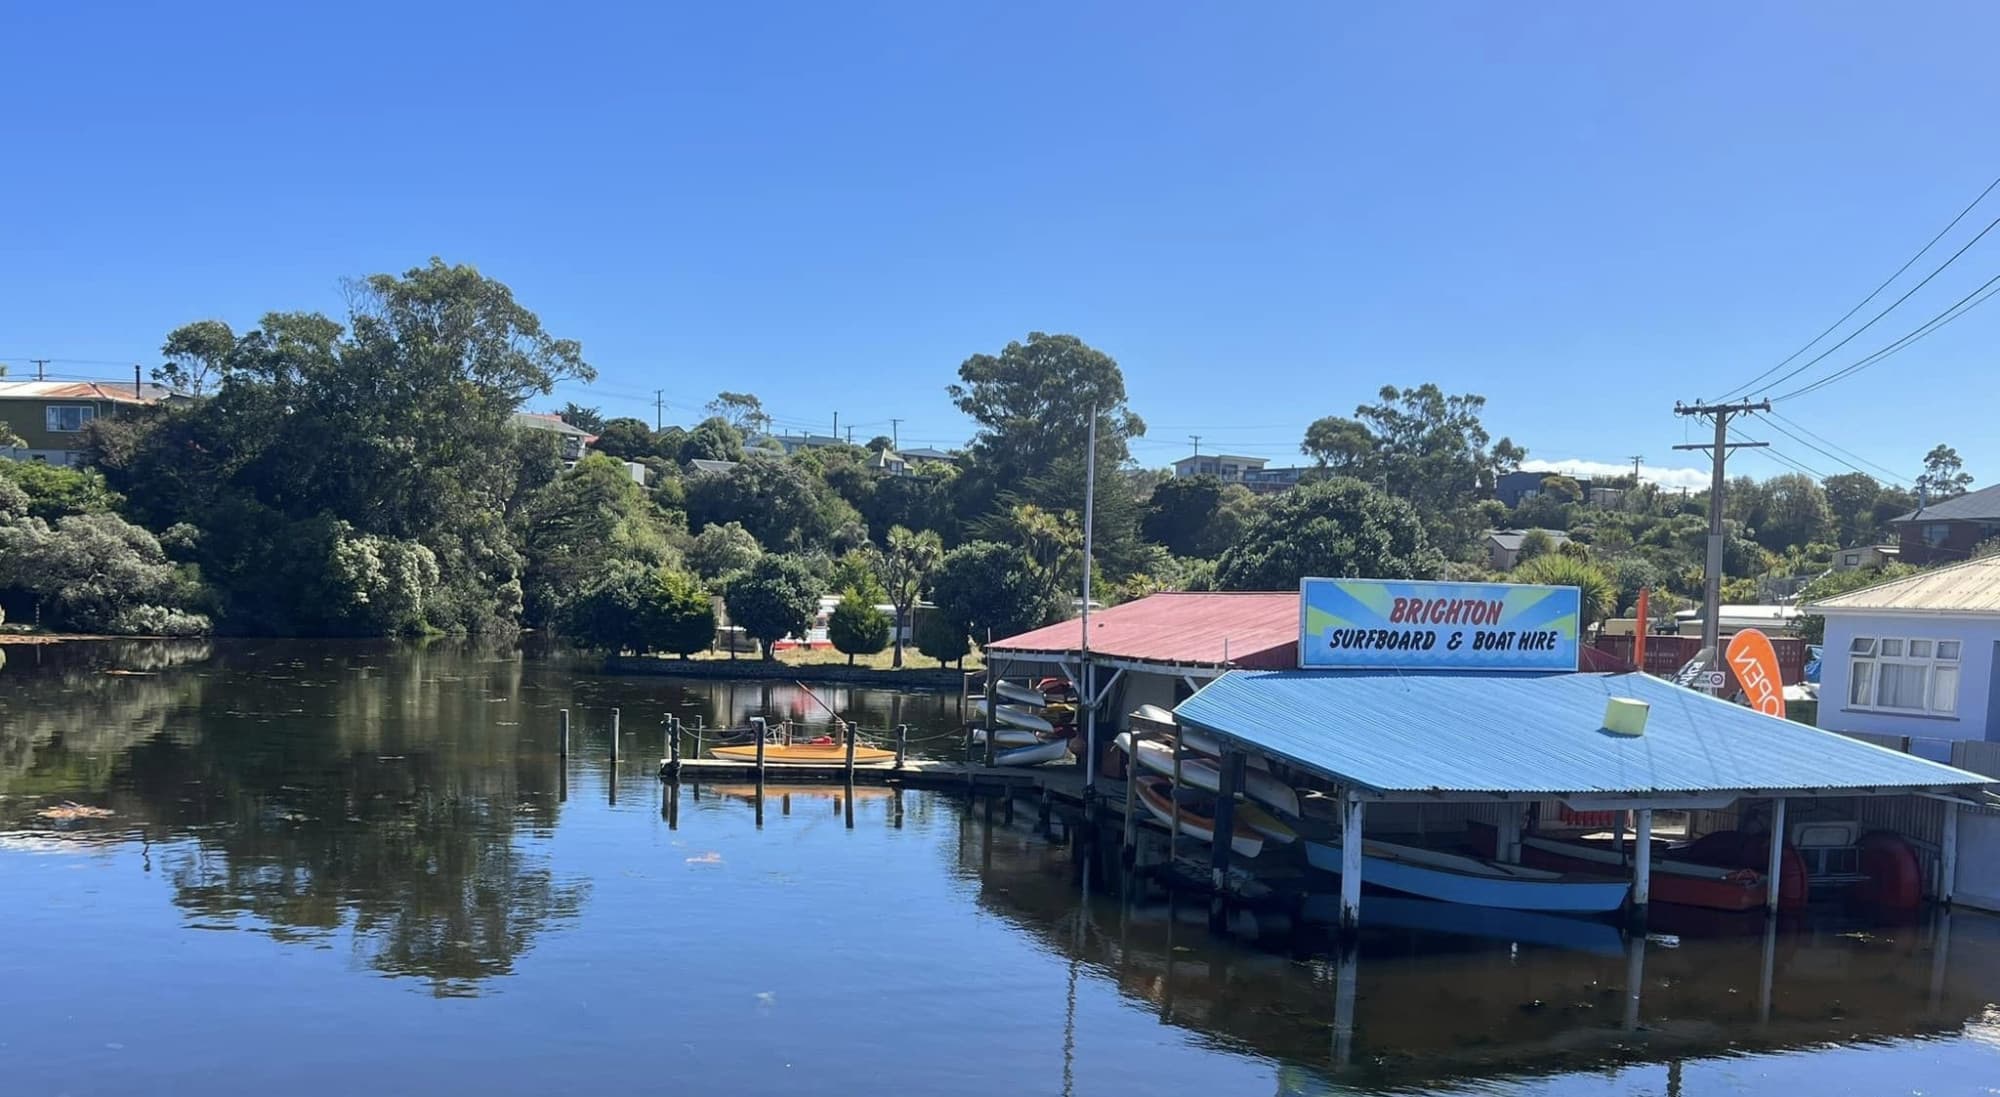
{"points": [[1423, 1002], [409, 805]]}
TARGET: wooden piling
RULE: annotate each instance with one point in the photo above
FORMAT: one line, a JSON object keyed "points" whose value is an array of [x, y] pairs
{"points": [[849, 764], [1350, 864], [902, 744], [1225, 819], [760, 773], [1129, 847], [1642, 868], [1174, 832], [614, 735], [674, 745], [562, 733], [992, 705]]}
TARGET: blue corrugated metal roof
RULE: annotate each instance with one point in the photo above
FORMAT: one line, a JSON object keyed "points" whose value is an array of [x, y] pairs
{"points": [[1539, 734]]}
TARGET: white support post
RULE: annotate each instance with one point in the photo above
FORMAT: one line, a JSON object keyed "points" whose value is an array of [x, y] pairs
{"points": [[1948, 856], [1774, 878], [1642, 864], [1350, 863]]}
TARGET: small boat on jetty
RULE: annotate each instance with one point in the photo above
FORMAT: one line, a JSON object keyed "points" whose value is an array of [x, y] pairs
{"points": [[1197, 814], [823, 751], [1014, 716], [1006, 737], [1019, 694], [1455, 878], [1033, 754]]}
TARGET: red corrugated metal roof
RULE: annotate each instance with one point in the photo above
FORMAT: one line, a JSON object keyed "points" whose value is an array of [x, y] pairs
{"points": [[1258, 629], [119, 392]]}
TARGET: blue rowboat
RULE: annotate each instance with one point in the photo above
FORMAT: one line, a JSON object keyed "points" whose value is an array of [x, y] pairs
{"points": [[1452, 878]]}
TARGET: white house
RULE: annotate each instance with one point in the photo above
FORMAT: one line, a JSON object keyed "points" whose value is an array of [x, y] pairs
{"points": [[1915, 656]]}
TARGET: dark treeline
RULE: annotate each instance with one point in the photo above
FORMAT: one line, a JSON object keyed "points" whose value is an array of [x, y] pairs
{"points": [[373, 475]]}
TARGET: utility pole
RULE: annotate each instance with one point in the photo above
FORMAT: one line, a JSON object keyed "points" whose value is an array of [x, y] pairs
{"points": [[41, 365], [1711, 610], [1636, 458], [836, 426], [850, 435], [1196, 439], [659, 409], [895, 435]]}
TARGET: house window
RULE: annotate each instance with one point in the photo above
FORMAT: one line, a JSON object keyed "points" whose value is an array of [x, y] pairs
{"points": [[1900, 674], [68, 418], [1937, 533], [1853, 559]]}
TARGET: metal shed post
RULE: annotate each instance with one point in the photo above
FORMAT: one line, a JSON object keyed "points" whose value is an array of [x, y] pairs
{"points": [[1223, 837], [1774, 877], [1642, 866], [1350, 864]]}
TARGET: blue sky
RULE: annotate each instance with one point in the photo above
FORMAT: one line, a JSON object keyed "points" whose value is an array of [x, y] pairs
{"points": [[1265, 212]]}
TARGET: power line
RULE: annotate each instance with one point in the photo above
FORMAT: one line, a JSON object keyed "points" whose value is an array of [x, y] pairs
{"points": [[1823, 355], [1894, 477], [1958, 308], [1872, 294]]}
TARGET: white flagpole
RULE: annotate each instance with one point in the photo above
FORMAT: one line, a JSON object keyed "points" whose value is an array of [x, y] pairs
{"points": [[1089, 674]]}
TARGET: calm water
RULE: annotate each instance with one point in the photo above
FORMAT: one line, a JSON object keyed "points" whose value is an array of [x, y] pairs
{"points": [[336, 869]]}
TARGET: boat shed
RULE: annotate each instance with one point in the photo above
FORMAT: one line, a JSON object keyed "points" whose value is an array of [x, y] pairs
{"points": [[1454, 737]]}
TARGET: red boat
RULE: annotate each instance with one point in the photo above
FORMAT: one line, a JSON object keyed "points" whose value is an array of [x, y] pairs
{"points": [[1708, 873]]}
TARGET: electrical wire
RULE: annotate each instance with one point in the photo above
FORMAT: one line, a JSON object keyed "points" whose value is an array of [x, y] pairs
{"points": [[1894, 477], [1823, 355], [1958, 308], [1859, 305]]}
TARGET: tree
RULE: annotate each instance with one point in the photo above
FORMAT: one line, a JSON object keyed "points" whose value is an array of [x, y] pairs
{"points": [[582, 418], [1178, 514], [1797, 513], [1599, 595], [684, 618], [723, 551], [55, 490], [741, 411], [921, 499], [712, 440], [1051, 545], [1812, 626], [989, 588], [1033, 403], [1542, 511], [1850, 499], [772, 497], [881, 443], [1339, 527], [1423, 446], [1944, 474], [776, 597], [941, 637], [1563, 487], [1631, 575], [1534, 543], [856, 627], [573, 529], [904, 567], [631, 606], [98, 573], [196, 354], [627, 439]]}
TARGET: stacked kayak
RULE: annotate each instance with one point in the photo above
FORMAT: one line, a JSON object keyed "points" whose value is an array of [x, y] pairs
{"points": [[1031, 728], [1264, 803]]}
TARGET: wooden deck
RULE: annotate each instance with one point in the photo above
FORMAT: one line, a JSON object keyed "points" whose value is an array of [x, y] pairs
{"points": [[1063, 782]]}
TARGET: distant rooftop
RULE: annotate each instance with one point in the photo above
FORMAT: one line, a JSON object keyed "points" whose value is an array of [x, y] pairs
{"points": [[1974, 506], [1179, 629], [1970, 587], [1510, 539], [925, 453], [549, 421], [704, 467], [114, 391]]}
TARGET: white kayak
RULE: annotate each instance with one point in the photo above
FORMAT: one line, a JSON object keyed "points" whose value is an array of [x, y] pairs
{"points": [[1034, 755], [1006, 737], [1020, 695], [1200, 742], [1206, 773], [1015, 716]]}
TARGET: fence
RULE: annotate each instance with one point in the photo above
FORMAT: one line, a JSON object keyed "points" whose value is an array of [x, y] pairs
{"points": [[1667, 654]]}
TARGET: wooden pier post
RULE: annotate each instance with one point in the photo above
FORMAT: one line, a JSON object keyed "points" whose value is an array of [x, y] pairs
{"points": [[1223, 844], [1350, 864], [1128, 850], [1174, 832], [562, 733], [992, 706], [674, 745], [673, 805], [849, 764], [1642, 868], [614, 735], [902, 744], [1774, 883], [760, 773]]}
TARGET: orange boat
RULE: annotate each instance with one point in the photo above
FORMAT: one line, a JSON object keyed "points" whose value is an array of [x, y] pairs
{"points": [[818, 753]]}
